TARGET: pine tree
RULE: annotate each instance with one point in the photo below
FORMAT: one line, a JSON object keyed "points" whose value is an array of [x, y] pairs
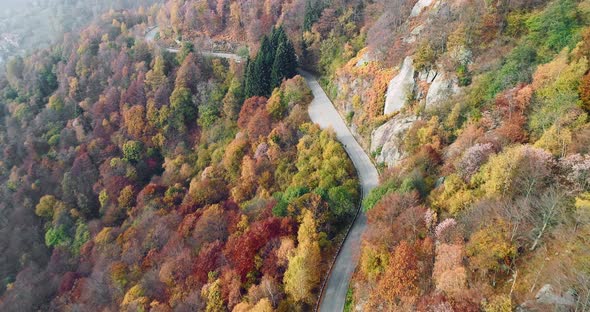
{"points": [[255, 78], [275, 61], [308, 18], [264, 62], [312, 13], [285, 63]]}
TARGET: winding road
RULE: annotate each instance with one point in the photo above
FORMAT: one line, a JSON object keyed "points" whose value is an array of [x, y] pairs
{"points": [[322, 112], [151, 35]]}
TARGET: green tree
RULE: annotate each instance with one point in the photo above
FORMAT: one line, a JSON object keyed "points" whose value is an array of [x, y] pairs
{"points": [[232, 100], [312, 13], [186, 49], [271, 65], [132, 151], [57, 236], [341, 202], [284, 65], [183, 109], [81, 236]]}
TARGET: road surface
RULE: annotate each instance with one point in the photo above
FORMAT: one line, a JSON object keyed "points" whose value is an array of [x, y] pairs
{"points": [[151, 35], [323, 113]]}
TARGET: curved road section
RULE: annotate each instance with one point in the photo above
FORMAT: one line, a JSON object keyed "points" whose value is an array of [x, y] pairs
{"points": [[322, 112], [151, 35]]}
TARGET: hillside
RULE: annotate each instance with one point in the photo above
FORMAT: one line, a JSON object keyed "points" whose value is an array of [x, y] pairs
{"points": [[27, 25], [147, 174]]}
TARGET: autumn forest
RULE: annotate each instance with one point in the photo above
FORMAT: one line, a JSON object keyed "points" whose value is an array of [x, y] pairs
{"points": [[182, 171]]}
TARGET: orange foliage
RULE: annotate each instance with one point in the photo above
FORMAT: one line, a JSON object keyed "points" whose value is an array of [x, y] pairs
{"points": [[398, 289], [584, 90]]}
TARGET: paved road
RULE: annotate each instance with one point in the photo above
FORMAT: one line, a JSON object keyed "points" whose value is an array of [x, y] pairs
{"points": [[322, 112], [151, 35]]}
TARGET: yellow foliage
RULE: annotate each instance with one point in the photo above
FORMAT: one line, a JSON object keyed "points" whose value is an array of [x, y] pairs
{"points": [[490, 247], [499, 303], [454, 196], [104, 236], [45, 207], [555, 140], [373, 262], [302, 275], [135, 294], [242, 307], [453, 281], [263, 305]]}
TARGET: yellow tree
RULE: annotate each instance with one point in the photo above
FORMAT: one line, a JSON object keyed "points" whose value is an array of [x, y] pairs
{"points": [[156, 76], [214, 299], [302, 275]]}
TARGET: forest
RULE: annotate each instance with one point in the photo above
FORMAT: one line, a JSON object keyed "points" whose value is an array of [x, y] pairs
{"points": [[137, 179]]}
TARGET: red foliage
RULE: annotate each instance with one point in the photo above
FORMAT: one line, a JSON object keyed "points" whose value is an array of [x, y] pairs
{"points": [[209, 259], [149, 192], [135, 94], [384, 215], [398, 288], [67, 282], [249, 109], [259, 125], [513, 130], [240, 250]]}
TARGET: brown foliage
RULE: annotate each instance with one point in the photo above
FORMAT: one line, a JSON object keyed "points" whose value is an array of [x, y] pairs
{"points": [[584, 91], [394, 218], [397, 289], [249, 109]]}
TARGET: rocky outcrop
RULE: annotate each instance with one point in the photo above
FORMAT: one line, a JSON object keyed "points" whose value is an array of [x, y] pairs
{"points": [[386, 140], [441, 88], [399, 87], [549, 299], [364, 59], [419, 6], [411, 38]]}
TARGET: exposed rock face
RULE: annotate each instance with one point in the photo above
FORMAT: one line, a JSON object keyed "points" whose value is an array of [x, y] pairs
{"points": [[414, 34], [547, 295], [421, 4], [549, 299], [440, 89], [364, 59], [399, 87], [388, 138]]}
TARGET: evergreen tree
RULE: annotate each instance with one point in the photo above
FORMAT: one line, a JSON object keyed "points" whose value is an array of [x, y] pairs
{"points": [[254, 78], [275, 61], [312, 13], [308, 18], [284, 65], [265, 59]]}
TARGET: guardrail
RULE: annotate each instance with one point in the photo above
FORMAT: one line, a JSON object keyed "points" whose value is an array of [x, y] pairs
{"points": [[358, 211]]}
